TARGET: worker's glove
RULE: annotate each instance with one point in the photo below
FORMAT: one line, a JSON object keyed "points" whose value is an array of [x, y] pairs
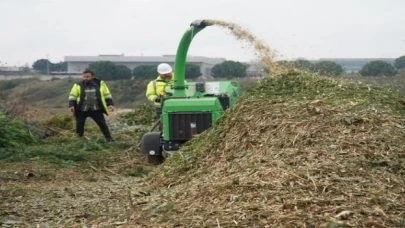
{"points": [[157, 99]]}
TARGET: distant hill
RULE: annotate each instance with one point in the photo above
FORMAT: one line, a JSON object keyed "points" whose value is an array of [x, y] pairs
{"points": [[54, 94]]}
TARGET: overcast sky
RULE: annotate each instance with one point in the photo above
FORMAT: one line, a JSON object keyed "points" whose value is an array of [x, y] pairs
{"points": [[312, 29]]}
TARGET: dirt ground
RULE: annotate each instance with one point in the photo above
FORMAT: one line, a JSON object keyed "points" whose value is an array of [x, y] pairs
{"points": [[86, 196]]}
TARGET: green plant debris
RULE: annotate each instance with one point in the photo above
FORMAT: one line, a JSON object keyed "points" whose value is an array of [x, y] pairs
{"points": [[138, 172], [12, 133], [145, 115], [53, 140], [296, 148]]}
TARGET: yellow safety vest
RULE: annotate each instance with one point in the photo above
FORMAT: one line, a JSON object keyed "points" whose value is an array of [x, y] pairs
{"points": [[157, 88], [102, 92]]}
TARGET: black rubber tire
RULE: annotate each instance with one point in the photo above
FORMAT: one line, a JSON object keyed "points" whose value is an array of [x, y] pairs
{"points": [[155, 159], [151, 141]]}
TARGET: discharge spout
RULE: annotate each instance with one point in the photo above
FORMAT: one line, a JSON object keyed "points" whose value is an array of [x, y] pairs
{"points": [[179, 87]]}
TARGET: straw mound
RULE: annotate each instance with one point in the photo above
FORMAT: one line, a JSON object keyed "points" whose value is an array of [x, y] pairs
{"points": [[296, 151]]}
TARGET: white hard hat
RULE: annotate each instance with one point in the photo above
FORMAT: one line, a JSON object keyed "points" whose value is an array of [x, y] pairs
{"points": [[164, 68]]}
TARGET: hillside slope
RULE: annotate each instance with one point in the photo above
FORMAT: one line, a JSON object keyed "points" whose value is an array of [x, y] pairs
{"points": [[54, 94], [296, 151]]}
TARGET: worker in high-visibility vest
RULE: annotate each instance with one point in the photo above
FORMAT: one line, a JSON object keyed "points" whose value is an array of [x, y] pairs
{"points": [[91, 98], [155, 89]]}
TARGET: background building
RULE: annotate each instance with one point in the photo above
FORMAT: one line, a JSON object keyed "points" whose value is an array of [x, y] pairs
{"points": [[13, 70], [77, 64]]}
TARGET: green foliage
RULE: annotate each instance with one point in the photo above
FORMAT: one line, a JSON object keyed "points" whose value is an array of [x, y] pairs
{"points": [[64, 153], [123, 72], [400, 62], [229, 69], [60, 67], [145, 72], [42, 66], [6, 85], [12, 133], [138, 171], [60, 122], [192, 71], [328, 68], [325, 68], [64, 148], [378, 68], [300, 64], [282, 62], [303, 64], [126, 93], [143, 116], [107, 70]]}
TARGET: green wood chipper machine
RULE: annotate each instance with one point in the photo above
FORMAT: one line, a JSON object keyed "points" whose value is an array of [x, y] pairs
{"points": [[190, 107]]}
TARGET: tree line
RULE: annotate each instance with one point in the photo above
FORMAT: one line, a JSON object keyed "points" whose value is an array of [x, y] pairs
{"points": [[376, 68], [44, 65], [381, 68], [326, 68], [108, 70]]}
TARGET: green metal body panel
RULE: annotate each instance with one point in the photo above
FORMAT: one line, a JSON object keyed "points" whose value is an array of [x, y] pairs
{"points": [[200, 101], [208, 104]]}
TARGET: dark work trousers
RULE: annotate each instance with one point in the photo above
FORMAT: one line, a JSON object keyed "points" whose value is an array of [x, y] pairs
{"points": [[98, 117], [158, 113]]}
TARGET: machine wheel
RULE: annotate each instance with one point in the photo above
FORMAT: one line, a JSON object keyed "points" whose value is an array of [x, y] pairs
{"points": [[151, 143], [155, 159]]}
